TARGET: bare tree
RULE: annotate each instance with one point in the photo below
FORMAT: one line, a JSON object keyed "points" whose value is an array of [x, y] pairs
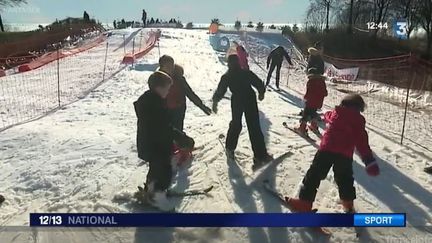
{"points": [[316, 14], [425, 14], [8, 3], [327, 4], [409, 10]]}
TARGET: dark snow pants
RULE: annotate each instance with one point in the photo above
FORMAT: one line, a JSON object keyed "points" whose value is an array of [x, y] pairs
{"points": [[256, 137], [159, 174], [343, 175], [309, 114], [177, 117], [278, 67]]}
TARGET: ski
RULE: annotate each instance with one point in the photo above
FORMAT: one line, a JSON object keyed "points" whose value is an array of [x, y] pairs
{"points": [[188, 193], [305, 136], [322, 230]]}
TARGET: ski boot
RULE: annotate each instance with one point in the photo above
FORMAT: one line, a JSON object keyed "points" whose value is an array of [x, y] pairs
{"points": [[299, 205], [260, 162], [302, 130], [348, 206], [314, 127]]}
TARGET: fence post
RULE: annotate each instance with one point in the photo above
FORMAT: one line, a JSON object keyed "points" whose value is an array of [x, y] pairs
{"points": [[141, 37], [133, 46], [106, 56], [58, 75], [159, 48], [124, 44], [406, 104]]}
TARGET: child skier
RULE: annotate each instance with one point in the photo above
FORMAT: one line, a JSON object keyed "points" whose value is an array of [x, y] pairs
{"points": [[155, 139], [176, 99], [315, 92], [243, 100], [345, 131]]}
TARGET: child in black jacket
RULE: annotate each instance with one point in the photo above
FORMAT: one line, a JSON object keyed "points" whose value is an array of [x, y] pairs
{"points": [[156, 138]]}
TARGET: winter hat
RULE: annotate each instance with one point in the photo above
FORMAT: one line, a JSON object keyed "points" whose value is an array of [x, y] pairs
{"points": [[233, 62], [354, 101]]}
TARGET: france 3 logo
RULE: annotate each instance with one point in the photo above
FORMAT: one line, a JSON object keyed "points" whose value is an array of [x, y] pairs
{"points": [[400, 29]]}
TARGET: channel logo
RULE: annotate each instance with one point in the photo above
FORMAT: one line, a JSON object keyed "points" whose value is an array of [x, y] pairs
{"points": [[400, 29]]}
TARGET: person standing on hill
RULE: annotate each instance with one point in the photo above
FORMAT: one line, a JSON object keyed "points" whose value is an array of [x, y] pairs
{"points": [[144, 18], [243, 100], [274, 60]]}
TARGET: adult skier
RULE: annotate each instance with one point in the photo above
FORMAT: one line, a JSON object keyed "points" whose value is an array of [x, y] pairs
{"points": [[274, 60]]}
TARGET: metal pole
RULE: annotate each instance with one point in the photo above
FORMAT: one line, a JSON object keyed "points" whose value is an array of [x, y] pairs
{"points": [[159, 49], [406, 108], [58, 76], [141, 37], [288, 72], [133, 46], [124, 44], [106, 55]]}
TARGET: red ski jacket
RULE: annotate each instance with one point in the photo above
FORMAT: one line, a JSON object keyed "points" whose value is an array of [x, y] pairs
{"points": [[346, 131], [315, 92]]}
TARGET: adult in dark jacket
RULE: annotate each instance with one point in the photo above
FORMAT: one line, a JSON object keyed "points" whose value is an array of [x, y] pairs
{"points": [[243, 100], [275, 58], [176, 99], [156, 137], [315, 60]]}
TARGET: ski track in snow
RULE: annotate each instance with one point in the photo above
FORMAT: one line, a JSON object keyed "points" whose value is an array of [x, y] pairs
{"points": [[80, 158]]}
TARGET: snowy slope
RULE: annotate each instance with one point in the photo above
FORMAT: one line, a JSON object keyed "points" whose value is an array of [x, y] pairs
{"points": [[82, 157]]}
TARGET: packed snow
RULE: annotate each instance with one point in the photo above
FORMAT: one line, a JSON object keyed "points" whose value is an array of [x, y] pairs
{"points": [[83, 158]]}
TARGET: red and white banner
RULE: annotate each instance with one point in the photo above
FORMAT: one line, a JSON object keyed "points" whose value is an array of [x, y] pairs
{"points": [[349, 74]]}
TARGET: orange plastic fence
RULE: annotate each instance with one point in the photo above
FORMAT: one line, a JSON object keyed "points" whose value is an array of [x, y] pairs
{"points": [[45, 59], [131, 57]]}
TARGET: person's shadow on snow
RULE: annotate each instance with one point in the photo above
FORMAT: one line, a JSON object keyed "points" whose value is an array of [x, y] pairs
{"points": [[243, 197], [394, 189], [159, 235], [145, 67], [290, 99]]}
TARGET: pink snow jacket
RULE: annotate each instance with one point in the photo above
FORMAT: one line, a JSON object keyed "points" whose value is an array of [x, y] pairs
{"points": [[346, 131], [243, 55]]}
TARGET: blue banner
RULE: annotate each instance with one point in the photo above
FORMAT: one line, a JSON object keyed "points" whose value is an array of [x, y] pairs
{"points": [[197, 220]]}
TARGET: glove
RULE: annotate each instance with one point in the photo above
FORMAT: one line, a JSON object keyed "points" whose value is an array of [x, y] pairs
{"points": [[206, 110], [214, 107], [261, 96], [372, 167]]}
